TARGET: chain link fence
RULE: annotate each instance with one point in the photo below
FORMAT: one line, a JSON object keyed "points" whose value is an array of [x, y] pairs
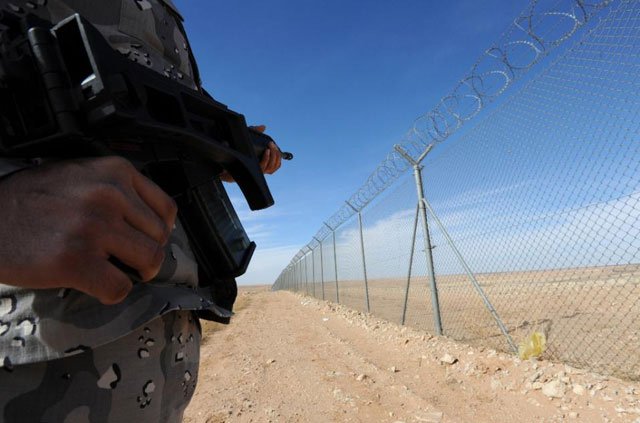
{"points": [[526, 220]]}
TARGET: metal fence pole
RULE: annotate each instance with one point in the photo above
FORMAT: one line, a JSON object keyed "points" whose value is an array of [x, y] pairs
{"points": [[413, 247], [335, 261], [288, 281], [306, 288], [300, 275], [299, 265], [313, 272], [364, 262], [321, 267], [292, 271], [296, 273], [306, 274], [472, 277], [417, 173]]}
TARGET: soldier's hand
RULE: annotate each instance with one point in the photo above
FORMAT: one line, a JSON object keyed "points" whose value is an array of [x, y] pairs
{"points": [[270, 161], [60, 224]]}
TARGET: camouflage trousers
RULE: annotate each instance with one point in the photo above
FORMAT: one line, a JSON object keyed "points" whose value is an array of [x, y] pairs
{"points": [[148, 375]]}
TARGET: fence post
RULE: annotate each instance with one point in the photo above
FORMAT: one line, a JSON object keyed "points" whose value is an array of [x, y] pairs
{"points": [[299, 265], [313, 272], [306, 289], [335, 261], [417, 173], [288, 282], [306, 273], [321, 267], [364, 262], [413, 247], [472, 277], [294, 271]]}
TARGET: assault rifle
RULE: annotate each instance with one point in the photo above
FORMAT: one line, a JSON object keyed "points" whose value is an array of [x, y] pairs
{"points": [[65, 93]]}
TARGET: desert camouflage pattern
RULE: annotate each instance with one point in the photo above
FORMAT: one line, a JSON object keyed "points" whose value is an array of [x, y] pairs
{"points": [[148, 375], [41, 325], [64, 356], [148, 32]]}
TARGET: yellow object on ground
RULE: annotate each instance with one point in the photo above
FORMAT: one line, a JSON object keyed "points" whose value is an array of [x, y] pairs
{"points": [[533, 346]]}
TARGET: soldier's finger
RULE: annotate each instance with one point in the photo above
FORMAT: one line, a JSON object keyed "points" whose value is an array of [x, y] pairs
{"points": [[156, 198], [118, 202], [102, 280], [259, 128], [140, 216], [278, 158], [264, 162], [274, 159], [134, 249]]}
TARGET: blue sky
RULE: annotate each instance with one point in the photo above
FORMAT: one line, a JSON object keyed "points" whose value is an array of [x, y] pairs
{"points": [[337, 83]]}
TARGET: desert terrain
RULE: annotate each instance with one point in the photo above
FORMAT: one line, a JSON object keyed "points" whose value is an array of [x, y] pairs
{"points": [[589, 315], [291, 358]]}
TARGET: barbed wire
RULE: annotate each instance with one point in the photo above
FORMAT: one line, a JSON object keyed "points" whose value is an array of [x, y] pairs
{"points": [[531, 37]]}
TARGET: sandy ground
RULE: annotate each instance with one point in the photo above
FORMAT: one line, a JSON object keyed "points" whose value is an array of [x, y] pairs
{"points": [[589, 315], [289, 358]]}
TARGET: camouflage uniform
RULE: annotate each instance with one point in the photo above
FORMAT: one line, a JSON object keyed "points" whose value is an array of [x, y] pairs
{"points": [[63, 355]]}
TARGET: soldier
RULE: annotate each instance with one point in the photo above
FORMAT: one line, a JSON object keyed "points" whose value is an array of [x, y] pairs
{"points": [[78, 341]]}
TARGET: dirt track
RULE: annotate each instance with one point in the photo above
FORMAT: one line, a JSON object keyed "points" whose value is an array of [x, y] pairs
{"points": [[288, 358]]}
